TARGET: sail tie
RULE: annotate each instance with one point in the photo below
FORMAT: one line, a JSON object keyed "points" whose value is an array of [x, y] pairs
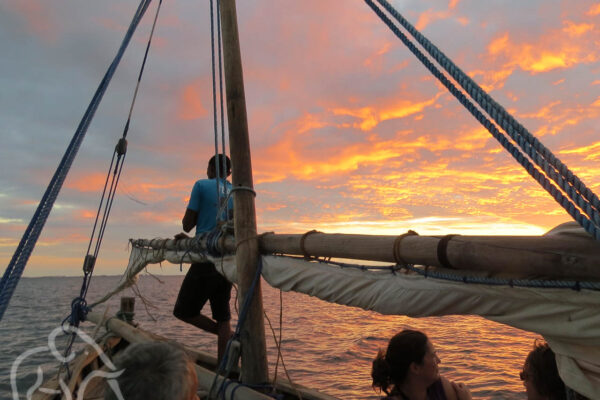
{"points": [[397, 242], [442, 251], [579, 196]]}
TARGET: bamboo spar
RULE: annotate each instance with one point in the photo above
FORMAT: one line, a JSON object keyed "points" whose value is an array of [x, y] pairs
{"points": [[548, 256], [556, 257], [254, 354]]}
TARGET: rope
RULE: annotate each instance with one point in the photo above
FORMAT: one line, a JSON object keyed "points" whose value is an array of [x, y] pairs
{"points": [[79, 308], [303, 248], [569, 205], [442, 251], [278, 345], [429, 273], [26, 245], [397, 255], [214, 96], [221, 88], [222, 370]]}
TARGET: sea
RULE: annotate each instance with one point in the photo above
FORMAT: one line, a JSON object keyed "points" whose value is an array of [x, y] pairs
{"points": [[325, 346]]}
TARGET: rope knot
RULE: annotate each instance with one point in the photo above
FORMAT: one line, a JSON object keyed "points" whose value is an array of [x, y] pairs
{"points": [[79, 311]]}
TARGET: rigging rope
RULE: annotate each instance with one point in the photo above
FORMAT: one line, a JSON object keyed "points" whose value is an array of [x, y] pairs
{"points": [[79, 308], [542, 156], [24, 249], [482, 280], [571, 206], [214, 95]]}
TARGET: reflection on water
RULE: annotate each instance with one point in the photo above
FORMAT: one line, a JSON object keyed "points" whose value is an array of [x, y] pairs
{"points": [[325, 346]]}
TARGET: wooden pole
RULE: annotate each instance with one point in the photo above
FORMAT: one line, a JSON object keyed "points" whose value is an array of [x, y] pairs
{"points": [[544, 256], [555, 257], [254, 354]]}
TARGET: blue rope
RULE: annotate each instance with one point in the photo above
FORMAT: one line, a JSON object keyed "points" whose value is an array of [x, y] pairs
{"points": [[530, 283], [554, 191], [542, 156], [236, 335], [19, 259]]}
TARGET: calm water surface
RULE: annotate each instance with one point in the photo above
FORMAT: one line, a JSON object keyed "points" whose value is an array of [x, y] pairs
{"points": [[325, 346]]}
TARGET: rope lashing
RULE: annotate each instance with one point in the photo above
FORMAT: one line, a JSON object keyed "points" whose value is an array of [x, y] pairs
{"points": [[533, 171], [24, 249], [542, 156], [397, 253], [213, 246], [442, 251], [302, 244]]}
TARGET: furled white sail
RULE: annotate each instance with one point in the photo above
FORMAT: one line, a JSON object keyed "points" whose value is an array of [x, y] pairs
{"points": [[568, 319]]}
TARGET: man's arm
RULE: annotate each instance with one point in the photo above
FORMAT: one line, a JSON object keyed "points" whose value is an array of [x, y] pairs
{"points": [[189, 219]]}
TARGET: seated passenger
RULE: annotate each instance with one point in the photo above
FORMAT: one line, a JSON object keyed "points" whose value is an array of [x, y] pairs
{"points": [[540, 375], [154, 371], [409, 371]]}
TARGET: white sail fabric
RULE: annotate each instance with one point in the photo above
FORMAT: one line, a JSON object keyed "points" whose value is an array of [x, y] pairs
{"points": [[569, 320]]}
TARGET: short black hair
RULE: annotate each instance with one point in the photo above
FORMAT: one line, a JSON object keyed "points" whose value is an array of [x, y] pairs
{"points": [[220, 160], [541, 364]]}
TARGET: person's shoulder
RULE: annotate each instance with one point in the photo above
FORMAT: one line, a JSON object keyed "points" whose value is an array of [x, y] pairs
{"points": [[447, 388]]}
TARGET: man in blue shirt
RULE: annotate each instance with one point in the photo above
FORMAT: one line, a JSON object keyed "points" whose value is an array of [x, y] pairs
{"points": [[202, 282]]}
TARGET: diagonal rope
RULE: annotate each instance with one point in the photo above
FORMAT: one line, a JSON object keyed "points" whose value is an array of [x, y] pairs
{"points": [[569, 205], [26, 245], [214, 96]]}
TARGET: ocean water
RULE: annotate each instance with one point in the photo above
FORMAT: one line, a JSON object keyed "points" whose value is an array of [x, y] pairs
{"points": [[325, 346]]}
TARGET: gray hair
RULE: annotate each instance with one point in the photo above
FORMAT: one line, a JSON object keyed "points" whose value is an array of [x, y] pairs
{"points": [[152, 371]]}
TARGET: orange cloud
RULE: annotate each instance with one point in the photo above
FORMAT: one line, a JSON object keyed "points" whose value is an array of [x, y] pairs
{"points": [[371, 116], [431, 15], [594, 10], [87, 183], [551, 51], [591, 152], [555, 116], [575, 30], [190, 103]]}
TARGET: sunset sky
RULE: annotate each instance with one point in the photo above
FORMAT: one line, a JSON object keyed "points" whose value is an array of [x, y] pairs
{"points": [[349, 132]]}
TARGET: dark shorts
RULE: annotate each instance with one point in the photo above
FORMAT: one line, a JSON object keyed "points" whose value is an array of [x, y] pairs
{"points": [[201, 283]]}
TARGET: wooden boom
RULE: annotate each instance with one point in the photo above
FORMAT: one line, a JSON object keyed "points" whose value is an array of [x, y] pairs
{"points": [[555, 257]]}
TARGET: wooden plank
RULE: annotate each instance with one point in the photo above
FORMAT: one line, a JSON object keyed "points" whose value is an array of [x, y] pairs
{"points": [[252, 335]]}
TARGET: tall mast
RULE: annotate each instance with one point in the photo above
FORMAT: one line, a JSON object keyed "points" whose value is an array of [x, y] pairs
{"points": [[254, 355]]}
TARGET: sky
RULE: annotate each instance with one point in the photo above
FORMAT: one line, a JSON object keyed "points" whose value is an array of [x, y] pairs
{"points": [[349, 132]]}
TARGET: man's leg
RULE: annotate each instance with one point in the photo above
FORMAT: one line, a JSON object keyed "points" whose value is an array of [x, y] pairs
{"points": [[224, 334], [202, 322], [193, 294]]}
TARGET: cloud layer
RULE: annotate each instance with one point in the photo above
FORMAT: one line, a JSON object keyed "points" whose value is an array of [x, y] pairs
{"points": [[349, 133]]}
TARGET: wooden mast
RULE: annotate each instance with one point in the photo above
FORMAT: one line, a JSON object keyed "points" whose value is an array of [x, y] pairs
{"points": [[254, 355]]}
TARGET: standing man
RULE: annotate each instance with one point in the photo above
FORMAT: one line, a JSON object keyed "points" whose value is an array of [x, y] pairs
{"points": [[203, 282]]}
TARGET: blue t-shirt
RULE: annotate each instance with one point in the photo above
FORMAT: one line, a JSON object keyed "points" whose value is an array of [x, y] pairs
{"points": [[205, 202]]}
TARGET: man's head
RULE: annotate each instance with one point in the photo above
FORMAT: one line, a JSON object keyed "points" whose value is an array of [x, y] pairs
{"points": [[157, 370], [222, 162]]}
